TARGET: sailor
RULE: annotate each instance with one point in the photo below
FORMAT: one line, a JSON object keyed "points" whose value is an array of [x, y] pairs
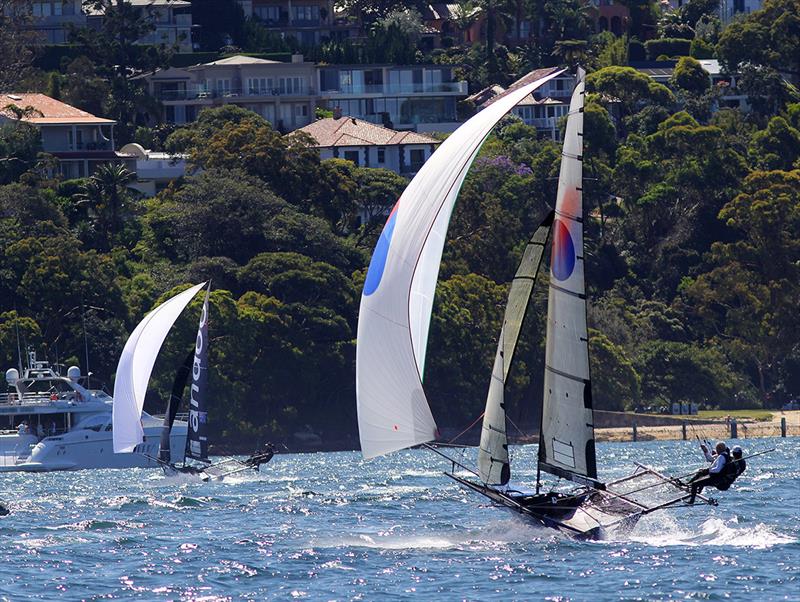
{"points": [[738, 464], [714, 475]]}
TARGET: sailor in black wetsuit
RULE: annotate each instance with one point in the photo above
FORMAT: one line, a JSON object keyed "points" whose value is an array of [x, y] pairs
{"points": [[715, 475], [259, 458]]}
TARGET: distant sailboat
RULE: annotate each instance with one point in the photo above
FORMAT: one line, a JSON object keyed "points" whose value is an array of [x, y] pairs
{"points": [[392, 337], [196, 365]]}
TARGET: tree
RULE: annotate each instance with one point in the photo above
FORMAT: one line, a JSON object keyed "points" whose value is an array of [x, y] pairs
{"points": [[690, 76], [776, 147], [115, 50], [16, 43], [615, 383], [107, 198], [748, 300], [768, 37], [20, 147], [630, 87]]}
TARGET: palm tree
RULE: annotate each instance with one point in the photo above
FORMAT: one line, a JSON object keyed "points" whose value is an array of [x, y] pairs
{"points": [[106, 196]]}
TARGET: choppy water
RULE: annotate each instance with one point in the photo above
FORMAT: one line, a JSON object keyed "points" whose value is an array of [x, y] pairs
{"points": [[330, 526]]}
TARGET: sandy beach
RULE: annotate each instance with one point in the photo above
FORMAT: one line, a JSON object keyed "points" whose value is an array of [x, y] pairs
{"points": [[721, 429]]}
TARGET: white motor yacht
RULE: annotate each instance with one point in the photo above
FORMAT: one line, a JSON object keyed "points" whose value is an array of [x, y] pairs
{"points": [[52, 422]]}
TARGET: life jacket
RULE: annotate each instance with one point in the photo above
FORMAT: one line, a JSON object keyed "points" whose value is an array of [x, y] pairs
{"points": [[729, 472]]}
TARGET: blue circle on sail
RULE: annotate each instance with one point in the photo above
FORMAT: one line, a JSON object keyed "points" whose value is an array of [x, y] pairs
{"points": [[379, 255], [563, 252]]}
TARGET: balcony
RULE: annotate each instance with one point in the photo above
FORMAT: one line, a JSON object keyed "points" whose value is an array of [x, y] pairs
{"points": [[200, 94], [459, 88]]}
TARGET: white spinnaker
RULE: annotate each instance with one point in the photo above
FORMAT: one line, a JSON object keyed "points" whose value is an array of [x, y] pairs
{"points": [[493, 462], [136, 364], [567, 434], [395, 312]]}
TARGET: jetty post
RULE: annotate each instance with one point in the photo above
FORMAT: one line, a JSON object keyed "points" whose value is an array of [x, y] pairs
{"points": [[683, 430], [733, 429], [783, 426], [634, 431]]}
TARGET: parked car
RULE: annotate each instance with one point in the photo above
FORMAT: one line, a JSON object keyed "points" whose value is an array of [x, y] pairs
{"points": [[792, 405]]}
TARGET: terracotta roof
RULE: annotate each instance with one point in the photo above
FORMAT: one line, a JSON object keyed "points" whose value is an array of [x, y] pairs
{"points": [[48, 111], [348, 131]]}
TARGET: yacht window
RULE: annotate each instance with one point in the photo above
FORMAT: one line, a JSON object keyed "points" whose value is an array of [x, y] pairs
{"points": [[93, 423]]}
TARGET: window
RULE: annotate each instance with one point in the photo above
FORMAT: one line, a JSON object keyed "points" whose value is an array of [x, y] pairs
{"points": [[223, 86], [351, 156], [305, 13], [417, 158], [268, 13], [381, 155]]}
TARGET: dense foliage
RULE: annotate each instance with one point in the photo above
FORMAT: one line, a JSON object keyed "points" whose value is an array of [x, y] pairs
{"points": [[693, 222]]}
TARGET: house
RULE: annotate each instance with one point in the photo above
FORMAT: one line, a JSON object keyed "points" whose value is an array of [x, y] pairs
{"points": [[282, 93], [611, 15], [154, 170], [53, 19], [370, 145], [79, 140], [731, 97], [172, 20], [419, 97], [543, 109], [310, 22]]}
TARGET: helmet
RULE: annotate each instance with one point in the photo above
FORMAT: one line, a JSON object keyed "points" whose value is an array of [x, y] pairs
{"points": [[737, 450]]}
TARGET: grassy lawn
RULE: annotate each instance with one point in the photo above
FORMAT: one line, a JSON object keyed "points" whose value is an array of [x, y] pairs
{"points": [[739, 414]]}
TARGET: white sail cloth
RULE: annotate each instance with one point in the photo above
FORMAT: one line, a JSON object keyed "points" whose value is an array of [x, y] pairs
{"points": [[136, 364], [567, 435], [397, 300]]}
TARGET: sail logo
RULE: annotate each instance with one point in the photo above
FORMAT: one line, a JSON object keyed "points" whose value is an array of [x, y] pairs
{"points": [[380, 254], [563, 251]]}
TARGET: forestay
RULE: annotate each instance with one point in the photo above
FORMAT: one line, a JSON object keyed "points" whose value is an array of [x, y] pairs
{"points": [[567, 435], [493, 461], [397, 299], [136, 364]]}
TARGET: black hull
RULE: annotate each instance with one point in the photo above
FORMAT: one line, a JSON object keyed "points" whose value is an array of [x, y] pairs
{"points": [[584, 517]]}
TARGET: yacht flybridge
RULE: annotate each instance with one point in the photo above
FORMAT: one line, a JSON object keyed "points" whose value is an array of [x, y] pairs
{"points": [[53, 422]]}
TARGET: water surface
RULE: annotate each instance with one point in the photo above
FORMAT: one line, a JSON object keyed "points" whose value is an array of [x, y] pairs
{"points": [[330, 526]]}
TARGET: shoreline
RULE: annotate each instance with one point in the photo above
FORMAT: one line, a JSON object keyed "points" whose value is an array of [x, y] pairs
{"points": [[655, 428]]}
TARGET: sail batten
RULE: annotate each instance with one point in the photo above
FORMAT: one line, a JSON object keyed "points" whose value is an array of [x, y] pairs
{"points": [[494, 467], [397, 299], [566, 445]]}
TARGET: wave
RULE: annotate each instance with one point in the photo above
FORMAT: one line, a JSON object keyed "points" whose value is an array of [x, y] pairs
{"points": [[713, 531], [494, 535]]}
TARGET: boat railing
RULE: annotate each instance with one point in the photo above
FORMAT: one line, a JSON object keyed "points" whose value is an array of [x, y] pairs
{"points": [[39, 398]]}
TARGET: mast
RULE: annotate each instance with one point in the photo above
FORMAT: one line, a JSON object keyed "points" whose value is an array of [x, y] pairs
{"points": [[175, 398], [196, 438], [566, 447], [493, 462]]}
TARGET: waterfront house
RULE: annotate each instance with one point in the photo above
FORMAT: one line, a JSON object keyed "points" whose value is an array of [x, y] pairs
{"points": [[419, 97], [309, 22], [172, 20], [370, 145], [282, 93], [79, 140]]}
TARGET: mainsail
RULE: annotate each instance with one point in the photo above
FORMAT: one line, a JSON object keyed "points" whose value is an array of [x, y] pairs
{"points": [[136, 364], [493, 462], [566, 444], [196, 440], [397, 300]]}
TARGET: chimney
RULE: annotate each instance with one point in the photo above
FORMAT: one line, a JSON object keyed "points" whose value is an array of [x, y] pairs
{"points": [[297, 58], [337, 112]]}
